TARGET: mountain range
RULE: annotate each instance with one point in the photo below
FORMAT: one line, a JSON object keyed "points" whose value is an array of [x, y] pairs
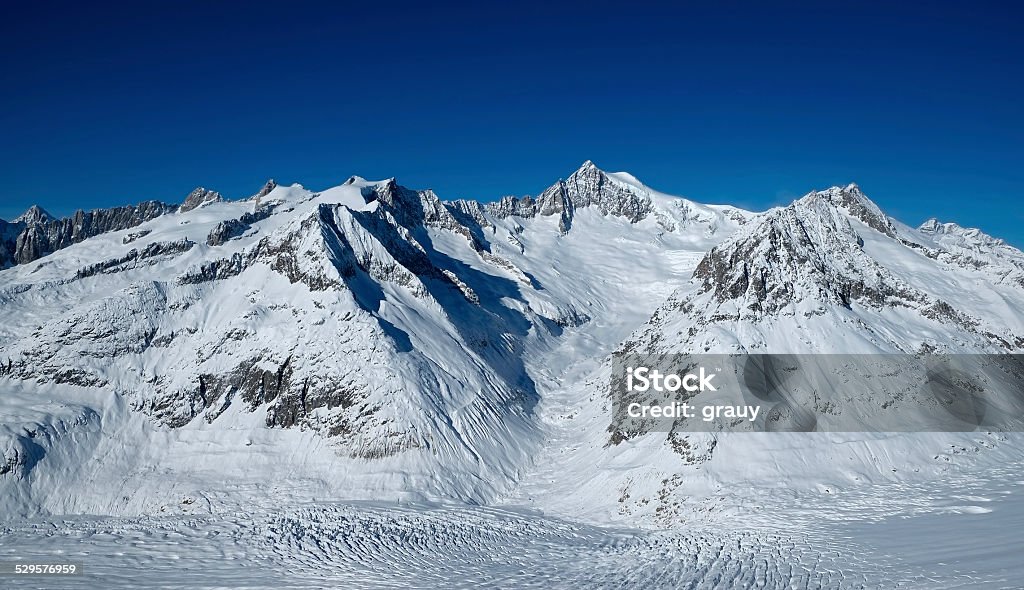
{"points": [[371, 341]]}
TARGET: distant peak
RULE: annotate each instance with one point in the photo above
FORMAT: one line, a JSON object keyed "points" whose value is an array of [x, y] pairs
{"points": [[199, 197], [934, 226], [587, 167], [938, 230], [34, 214], [269, 186]]}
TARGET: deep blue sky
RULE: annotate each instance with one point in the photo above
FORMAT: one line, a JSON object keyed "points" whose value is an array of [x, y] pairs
{"points": [[738, 102]]}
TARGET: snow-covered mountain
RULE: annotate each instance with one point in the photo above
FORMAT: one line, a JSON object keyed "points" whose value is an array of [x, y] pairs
{"points": [[832, 273], [402, 330], [370, 341]]}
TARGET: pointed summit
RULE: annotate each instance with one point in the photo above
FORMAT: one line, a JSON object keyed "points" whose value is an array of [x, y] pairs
{"points": [[588, 170], [590, 186], [199, 197], [931, 226], [854, 203], [267, 188], [35, 214], [810, 250]]}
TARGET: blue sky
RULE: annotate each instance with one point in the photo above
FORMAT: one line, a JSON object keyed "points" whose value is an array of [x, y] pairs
{"points": [[732, 102]]}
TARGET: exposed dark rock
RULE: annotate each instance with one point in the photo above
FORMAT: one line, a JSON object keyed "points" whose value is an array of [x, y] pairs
{"points": [[251, 381], [199, 197], [510, 206], [269, 186], [131, 237], [233, 228], [299, 401], [226, 230], [39, 239], [9, 242], [799, 251], [34, 216], [470, 215], [859, 206], [133, 257], [218, 269], [587, 187]]}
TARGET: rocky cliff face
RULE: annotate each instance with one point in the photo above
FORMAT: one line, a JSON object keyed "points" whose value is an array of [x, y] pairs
{"points": [[230, 229], [587, 187], [199, 197], [34, 215], [267, 188], [9, 243], [36, 233], [832, 257], [45, 235], [809, 249]]}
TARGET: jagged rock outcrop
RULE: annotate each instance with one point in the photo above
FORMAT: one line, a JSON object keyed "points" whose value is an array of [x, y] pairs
{"points": [[39, 239], [198, 197], [34, 215], [134, 257], [132, 236], [807, 250], [469, 213], [852, 200], [268, 187], [226, 230], [233, 228], [587, 187], [9, 243], [510, 206]]}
